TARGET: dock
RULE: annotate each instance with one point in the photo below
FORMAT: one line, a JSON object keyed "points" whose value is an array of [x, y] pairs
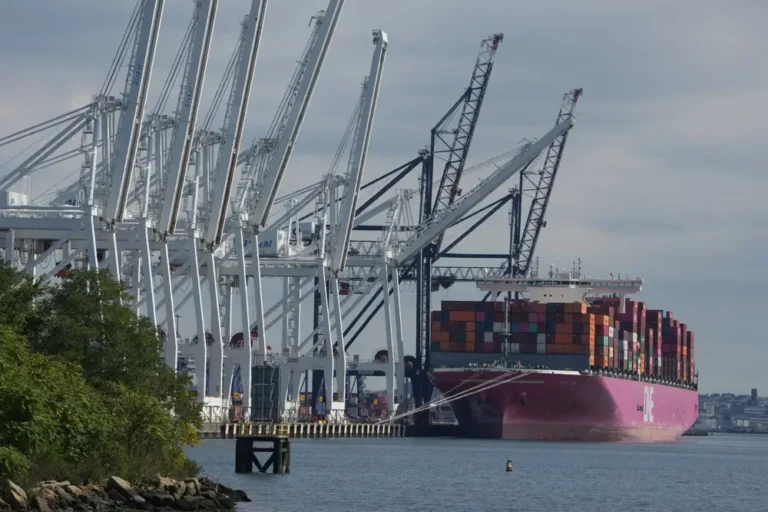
{"points": [[301, 430]]}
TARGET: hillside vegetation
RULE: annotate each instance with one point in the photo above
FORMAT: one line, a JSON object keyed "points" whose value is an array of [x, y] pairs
{"points": [[84, 393]]}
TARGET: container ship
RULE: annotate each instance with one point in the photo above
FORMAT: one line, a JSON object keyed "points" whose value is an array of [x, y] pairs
{"points": [[577, 361]]}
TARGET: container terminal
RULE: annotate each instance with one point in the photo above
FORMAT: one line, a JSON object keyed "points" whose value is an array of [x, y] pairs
{"points": [[174, 203]]}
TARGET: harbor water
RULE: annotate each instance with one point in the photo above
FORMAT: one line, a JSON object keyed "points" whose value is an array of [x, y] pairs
{"points": [[453, 475]]}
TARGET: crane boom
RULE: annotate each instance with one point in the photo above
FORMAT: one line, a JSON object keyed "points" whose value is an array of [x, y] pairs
{"points": [[186, 113], [135, 99], [234, 121], [261, 153], [533, 225], [441, 221], [471, 103], [356, 165], [269, 183]]}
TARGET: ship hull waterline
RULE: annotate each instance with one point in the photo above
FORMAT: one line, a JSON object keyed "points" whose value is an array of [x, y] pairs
{"points": [[566, 406]]}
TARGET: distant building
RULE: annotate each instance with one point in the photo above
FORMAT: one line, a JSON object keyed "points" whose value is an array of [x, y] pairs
{"points": [[753, 397]]}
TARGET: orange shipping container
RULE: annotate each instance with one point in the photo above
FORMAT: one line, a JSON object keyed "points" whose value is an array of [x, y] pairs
{"points": [[470, 336], [435, 326], [587, 339], [445, 346], [579, 308], [470, 326], [563, 329], [568, 349], [564, 338], [470, 346], [464, 316], [441, 336], [591, 360]]}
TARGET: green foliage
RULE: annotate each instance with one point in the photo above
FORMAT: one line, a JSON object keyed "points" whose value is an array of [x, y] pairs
{"points": [[83, 389], [13, 463]]}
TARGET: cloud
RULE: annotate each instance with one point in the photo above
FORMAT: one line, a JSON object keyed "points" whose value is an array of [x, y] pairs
{"points": [[662, 176]]}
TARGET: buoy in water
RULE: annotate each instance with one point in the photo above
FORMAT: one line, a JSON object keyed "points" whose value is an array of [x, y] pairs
{"points": [[509, 466]]}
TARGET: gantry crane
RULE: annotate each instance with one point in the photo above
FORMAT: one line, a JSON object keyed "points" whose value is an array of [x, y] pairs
{"points": [[541, 184]]}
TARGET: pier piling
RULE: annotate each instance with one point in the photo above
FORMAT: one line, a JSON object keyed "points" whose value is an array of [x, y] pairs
{"points": [[247, 448]]}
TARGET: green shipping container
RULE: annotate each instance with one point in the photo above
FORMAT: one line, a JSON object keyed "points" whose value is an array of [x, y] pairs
{"points": [[533, 327]]}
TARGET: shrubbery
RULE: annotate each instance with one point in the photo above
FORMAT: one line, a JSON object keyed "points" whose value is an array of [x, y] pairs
{"points": [[83, 390]]}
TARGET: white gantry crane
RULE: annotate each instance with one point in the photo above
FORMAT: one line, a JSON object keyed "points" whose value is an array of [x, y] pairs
{"points": [[87, 222], [154, 200]]}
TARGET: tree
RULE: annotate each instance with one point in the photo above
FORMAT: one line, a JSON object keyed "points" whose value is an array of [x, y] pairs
{"points": [[83, 389]]}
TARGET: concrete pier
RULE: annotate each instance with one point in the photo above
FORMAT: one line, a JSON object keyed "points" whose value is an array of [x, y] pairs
{"points": [[301, 430]]}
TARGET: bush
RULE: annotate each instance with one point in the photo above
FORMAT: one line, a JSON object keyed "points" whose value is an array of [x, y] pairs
{"points": [[13, 464], [83, 390]]}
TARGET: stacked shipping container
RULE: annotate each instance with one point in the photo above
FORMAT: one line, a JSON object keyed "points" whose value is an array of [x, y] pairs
{"points": [[639, 340]]}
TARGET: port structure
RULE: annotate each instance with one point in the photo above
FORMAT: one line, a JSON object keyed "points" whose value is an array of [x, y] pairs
{"points": [[153, 201]]}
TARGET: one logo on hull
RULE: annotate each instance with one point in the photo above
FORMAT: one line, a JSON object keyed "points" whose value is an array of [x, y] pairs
{"points": [[648, 404]]}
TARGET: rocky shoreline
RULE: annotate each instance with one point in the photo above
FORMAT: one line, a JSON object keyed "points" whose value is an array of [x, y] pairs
{"points": [[117, 494]]}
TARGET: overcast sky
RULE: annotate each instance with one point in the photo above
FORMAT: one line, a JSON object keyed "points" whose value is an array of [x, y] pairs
{"points": [[662, 176]]}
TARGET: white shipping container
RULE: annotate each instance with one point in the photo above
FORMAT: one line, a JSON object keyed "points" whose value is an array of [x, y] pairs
{"points": [[541, 338], [610, 332], [626, 345], [514, 348], [498, 326], [541, 348], [488, 337], [634, 336]]}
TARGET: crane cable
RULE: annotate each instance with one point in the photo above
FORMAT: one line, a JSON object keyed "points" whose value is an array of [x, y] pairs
{"points": [[492, 383], [474, 389]]}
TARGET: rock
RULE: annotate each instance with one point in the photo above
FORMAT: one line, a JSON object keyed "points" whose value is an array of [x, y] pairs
{"points": [[115, 496], [178, 490], [46, 493], [225, 502], [207, 483], [164, 484], [238, 495], [15, 496], [158, 499], [38, 503], [64, 496], [4, 505], [191, 489], [125, 489], [209, 494], [184, 503], [196, 483]]}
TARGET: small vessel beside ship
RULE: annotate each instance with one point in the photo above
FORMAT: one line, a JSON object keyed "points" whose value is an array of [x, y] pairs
{"points": [[577, 361]]}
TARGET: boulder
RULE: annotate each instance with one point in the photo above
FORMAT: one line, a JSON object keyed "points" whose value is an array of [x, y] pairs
{"points": [[64, 496], [158, 499], [191, 489], [178, 490], [185, 503], [124, 488], [238, 495], [225, 502], [164, 484], [39, 503], [114, 495], [196, 483], [15, 495]]}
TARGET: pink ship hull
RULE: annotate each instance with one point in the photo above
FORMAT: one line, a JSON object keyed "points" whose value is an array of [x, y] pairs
{"points": [[567, 406]]}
